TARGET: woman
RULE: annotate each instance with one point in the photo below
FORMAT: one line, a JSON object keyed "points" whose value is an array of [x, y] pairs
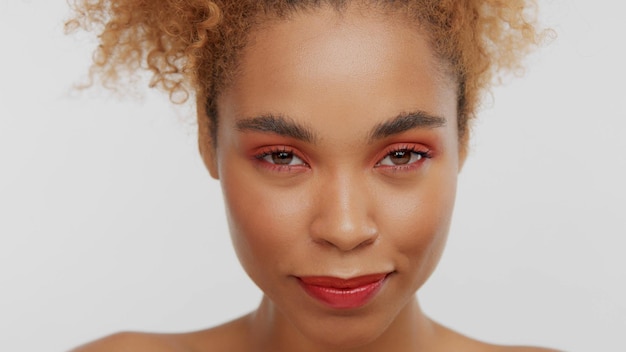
{"points": [[337, 130]]}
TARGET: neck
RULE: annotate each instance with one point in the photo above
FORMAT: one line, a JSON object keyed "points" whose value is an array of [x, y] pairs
{"points": [[410, 330]]}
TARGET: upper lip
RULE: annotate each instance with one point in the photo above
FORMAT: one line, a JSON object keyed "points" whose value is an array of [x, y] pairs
{"points": [[336, 282]]}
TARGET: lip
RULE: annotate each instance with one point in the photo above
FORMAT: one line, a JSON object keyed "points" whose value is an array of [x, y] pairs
{"points": [[341, 293]]}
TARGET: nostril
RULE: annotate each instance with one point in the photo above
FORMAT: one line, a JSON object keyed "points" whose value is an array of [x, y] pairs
{"points": [[347, 241], [366, 243]]}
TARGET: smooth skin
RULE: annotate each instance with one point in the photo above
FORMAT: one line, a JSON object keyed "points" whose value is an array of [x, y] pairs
{"points": [[338, 155]]}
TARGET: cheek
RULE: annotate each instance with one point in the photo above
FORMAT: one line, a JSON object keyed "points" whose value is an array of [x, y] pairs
{"points": [[416, 223], [265, 222]]}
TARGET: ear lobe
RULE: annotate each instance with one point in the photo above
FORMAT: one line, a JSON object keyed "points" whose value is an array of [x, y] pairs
{"points": [[205, 142]]}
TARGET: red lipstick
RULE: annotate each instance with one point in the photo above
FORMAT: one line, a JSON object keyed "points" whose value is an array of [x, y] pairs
{"points": [[343, 293]]}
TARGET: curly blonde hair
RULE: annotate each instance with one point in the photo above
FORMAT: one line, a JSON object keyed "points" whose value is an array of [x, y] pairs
{"points": [[192, 46]]}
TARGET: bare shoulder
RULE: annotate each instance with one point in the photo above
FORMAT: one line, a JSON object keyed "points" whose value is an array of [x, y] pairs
{"points": [[523, 349], [459, 342], [227, 337], [479, 346], [234, 336], [132, 341]]}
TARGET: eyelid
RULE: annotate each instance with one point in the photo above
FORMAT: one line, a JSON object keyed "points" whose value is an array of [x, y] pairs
{"points": [[261, 153], [425, 152]]}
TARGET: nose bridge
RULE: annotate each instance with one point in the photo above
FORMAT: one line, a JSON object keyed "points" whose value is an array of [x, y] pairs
{"points": [[343, 218]]}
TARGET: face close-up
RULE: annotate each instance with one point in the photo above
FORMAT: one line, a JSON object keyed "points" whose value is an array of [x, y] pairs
{"points": [[312, 176], [337, 151]]}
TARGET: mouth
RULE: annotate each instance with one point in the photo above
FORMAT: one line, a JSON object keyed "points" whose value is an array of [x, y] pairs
{"points": [[340, 293]]}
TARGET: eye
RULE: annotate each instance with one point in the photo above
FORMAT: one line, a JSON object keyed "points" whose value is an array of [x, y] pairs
{"points": [[281, 158], [403, 157]]}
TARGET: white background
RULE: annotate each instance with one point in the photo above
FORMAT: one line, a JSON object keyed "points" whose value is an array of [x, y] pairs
{"points": [[109, 222]]}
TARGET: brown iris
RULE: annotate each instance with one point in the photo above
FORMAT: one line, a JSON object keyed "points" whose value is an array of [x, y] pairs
{"points": [[282, 158], [400, 157]]}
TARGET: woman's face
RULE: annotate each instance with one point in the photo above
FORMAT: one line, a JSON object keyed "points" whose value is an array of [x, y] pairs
{"points": [[338, 156]]}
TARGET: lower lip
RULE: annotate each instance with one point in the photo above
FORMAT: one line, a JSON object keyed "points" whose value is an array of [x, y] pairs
{"points": [[344, 298]]}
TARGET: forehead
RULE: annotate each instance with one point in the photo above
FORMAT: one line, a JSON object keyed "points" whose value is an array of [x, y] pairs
{"points": [[331, 68]]}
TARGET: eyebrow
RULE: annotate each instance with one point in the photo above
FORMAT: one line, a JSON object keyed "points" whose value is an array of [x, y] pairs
{"points": [[277, 124], [405, 122], [287, 127]]}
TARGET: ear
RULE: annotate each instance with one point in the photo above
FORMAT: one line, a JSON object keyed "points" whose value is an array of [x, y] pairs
{"points": [[463, 148], [462, 157], [205, 140]]}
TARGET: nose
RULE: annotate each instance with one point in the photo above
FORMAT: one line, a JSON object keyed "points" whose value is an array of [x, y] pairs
{"points": [[342, 218]]}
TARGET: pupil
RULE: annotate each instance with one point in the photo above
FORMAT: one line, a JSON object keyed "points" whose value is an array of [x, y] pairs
{"points": [[401, 157], [282, 158]]}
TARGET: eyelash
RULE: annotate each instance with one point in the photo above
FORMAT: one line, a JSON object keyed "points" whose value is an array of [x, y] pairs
{"points": [[422, 153], [276, 150], [413, 149]]}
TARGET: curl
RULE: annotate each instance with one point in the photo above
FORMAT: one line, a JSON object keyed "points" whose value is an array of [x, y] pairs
{"points": [[191, 46]]}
